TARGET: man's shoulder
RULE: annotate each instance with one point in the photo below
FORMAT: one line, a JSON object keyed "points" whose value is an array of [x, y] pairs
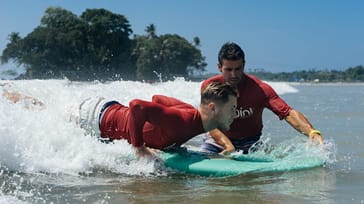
{"points": [[215, 78], [254, 80]]}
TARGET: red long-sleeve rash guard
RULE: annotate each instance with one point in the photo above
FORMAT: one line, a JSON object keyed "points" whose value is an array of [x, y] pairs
{"points": [[159, 124]]}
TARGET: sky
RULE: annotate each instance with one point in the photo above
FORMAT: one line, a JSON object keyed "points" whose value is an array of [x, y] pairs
{"points": [[276, 35]]}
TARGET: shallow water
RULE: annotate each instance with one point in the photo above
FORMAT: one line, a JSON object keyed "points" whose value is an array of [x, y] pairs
{"points": [[46, 159]]}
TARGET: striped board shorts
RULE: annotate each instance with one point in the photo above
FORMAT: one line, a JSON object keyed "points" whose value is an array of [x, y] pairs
{"points": [[210, 146], [90, 113]]}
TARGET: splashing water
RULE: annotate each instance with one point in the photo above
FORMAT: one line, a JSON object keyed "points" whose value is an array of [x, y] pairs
{"points": [[296, 153], [45, 141]]}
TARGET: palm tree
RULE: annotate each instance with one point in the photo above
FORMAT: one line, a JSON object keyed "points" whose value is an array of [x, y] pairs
{"points": [[151, 31]]}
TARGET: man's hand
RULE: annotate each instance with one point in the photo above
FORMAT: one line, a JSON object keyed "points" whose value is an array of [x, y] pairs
{"points": [[228, 149], [144, 152], [316, 138], [221, 139]]}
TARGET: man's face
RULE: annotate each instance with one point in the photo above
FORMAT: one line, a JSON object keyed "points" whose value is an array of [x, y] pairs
{"points": [[226, 113], [232, 71]]}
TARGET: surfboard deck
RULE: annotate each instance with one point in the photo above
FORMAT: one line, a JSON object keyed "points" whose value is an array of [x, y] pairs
{"points": [[198, 163]]}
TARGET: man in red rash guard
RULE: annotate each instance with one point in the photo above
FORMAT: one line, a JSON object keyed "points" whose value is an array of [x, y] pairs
{"points": [[162, 123], [183, 121], [253, 96]]}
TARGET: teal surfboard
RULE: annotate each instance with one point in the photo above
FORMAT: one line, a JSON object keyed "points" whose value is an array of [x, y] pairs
{"points": [[198, 163]]}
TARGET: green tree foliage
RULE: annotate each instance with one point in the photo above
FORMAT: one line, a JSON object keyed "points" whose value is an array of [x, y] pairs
{"points": [[355, 73], [96, 45], [108, 40], [169, 55], [76, 47]]}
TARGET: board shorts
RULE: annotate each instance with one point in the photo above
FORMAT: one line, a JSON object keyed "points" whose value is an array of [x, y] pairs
{"points": [[245, 145], [89, 115]]}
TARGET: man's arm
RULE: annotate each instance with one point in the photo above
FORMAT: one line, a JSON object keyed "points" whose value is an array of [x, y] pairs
{"points": [[16, 97], [221, 139], [299, 122]]}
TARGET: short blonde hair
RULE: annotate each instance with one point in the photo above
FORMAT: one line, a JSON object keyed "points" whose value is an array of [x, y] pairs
{"points": [[217, 92]]}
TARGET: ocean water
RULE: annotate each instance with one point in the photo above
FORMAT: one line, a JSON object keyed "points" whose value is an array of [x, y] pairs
{"points": [[46, 159]]}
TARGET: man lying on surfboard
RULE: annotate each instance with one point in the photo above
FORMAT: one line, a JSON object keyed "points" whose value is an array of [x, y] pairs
{"points": [[160, 124], [253, 96]]}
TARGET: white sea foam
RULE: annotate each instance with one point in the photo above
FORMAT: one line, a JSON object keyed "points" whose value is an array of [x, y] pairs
{"points": [[11, 199]]}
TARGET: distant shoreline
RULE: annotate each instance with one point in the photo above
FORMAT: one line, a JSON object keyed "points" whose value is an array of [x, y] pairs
{"points": [[325, 83]]}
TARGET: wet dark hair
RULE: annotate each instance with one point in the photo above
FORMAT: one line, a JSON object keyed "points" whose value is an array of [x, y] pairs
{"points": [[231, 51], [217, 92]]}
